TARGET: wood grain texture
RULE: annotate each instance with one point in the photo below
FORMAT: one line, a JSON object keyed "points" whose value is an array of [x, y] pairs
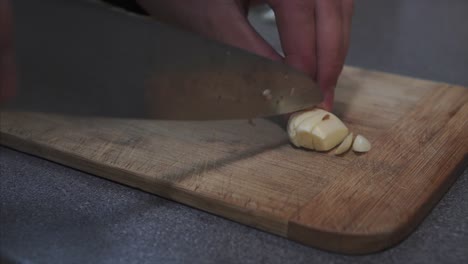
{"points": [[251, 174]]}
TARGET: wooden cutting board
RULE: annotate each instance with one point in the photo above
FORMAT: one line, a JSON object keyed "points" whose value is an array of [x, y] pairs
{"points": [[251, 174]]}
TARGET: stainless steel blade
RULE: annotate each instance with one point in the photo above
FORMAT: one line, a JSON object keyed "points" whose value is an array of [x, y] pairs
{"points": [[84, 58]]}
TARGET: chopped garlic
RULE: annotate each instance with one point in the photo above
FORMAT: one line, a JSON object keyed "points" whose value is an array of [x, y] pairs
{"points": [[361, 144], [345, 145], [316, 129]]}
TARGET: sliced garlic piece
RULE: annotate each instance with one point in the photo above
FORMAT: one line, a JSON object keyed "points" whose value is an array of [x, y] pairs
{"points": [[316, 129], [300, 126], [345, 145], [329, 133], [361, 144], [296, 119]]}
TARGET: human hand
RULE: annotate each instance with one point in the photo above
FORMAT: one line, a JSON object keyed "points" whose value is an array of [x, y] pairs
{"points": [[7, 69], [314, 33]]}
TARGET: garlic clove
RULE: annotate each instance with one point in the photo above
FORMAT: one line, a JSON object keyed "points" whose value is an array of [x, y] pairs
{"points": [[297, 118], [345, 145], [329, 133], [361, 144], [303, 139], [300, 126]]}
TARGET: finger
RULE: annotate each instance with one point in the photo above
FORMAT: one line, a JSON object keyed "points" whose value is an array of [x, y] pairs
{"points": [[7, 70], [347, 13], [296, 26], [220, 20], [330, 47], [238, 32]]}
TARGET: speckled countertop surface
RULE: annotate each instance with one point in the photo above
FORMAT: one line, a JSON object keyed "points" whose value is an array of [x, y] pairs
{"points": [[53, 214]]}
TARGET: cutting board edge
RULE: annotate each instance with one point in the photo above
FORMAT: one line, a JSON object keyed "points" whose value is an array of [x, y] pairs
{"points": [[260, 220], [372, 242]]}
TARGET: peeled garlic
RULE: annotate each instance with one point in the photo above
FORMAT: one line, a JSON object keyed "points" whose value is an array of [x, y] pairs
{"points": [[300, 126], [329, 133], [345, 145], [316, 129], [361, 144]]}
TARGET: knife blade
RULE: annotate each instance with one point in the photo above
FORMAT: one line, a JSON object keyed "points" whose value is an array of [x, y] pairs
{"points": [[84, 58]]}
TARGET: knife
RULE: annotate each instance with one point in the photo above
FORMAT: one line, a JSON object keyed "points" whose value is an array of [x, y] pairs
{"points": [[84, 58]]}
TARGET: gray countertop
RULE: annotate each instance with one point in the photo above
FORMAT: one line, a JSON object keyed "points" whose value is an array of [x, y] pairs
{"points": [[53, 214]]}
